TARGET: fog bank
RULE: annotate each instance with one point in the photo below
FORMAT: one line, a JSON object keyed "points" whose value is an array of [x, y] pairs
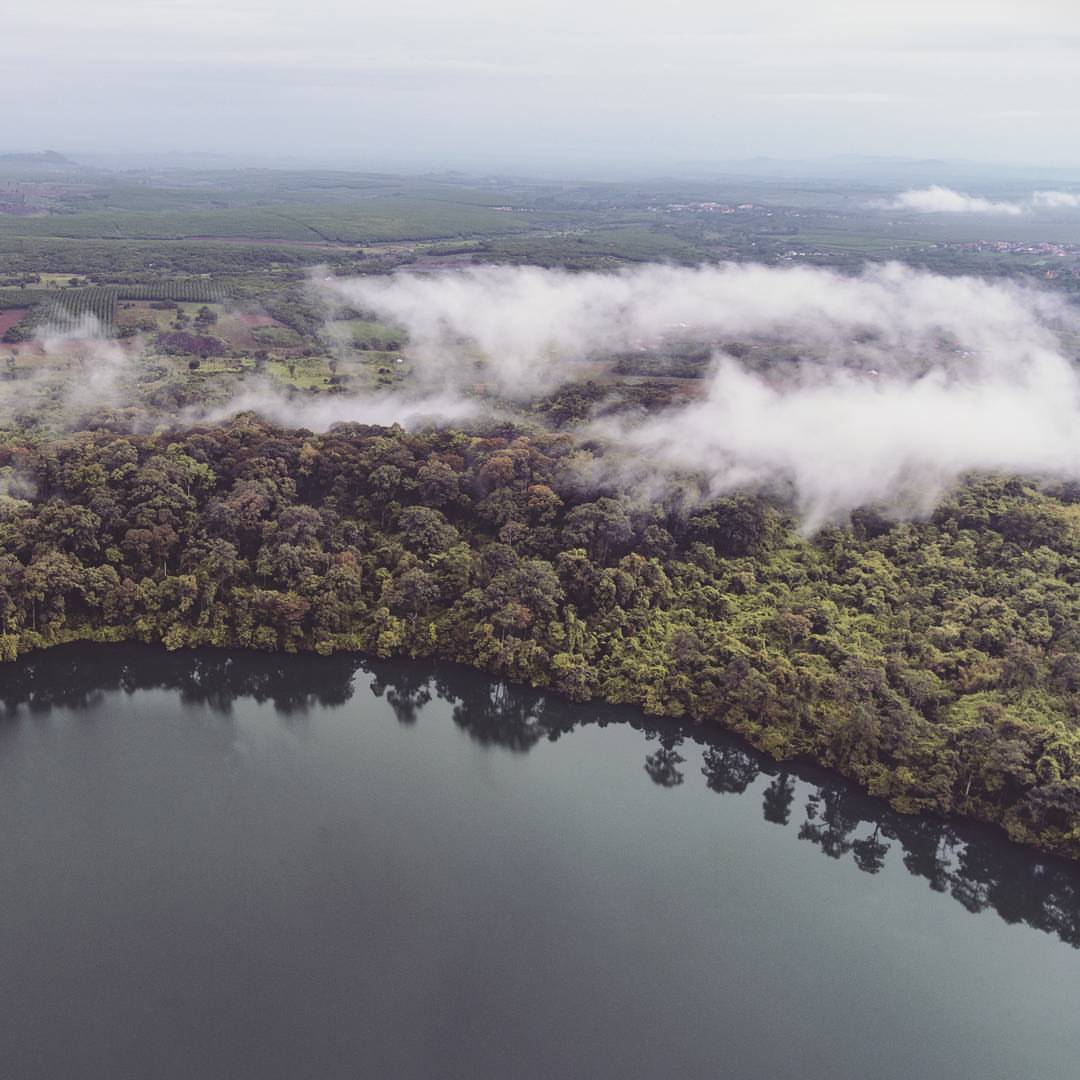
{"points": [[917, 378], [937, 199]]}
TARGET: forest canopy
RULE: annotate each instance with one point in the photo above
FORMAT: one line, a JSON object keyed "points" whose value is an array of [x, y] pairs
{"points": [[936, 662]]}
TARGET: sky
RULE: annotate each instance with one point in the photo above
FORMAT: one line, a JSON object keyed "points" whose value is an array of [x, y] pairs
{"points": [[507, 83]]}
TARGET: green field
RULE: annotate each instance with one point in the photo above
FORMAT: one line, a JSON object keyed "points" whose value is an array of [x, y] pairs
{"points": [[360, 223], [863, 244], [367, 333]]}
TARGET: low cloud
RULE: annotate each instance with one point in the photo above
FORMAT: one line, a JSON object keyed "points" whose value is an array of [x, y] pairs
{"points": [[80, 374], [881, 388], [943, 200], [99, 371], [845, 440], [79, 369], [1056, 200], [15, 485], [913, 379], [525, 329]]}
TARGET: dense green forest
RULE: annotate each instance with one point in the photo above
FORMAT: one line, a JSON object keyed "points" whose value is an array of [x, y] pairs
{"points": [[937, 663]]}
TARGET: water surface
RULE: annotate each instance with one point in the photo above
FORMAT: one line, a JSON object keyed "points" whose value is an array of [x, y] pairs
{"points": [[227, 865]]}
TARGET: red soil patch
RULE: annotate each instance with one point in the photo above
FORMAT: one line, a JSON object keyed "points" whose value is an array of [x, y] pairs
{"points": [[237, 328], [10, 317]]}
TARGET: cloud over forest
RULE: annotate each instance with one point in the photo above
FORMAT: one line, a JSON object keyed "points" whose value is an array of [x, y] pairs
{"points": [[916, 378]]}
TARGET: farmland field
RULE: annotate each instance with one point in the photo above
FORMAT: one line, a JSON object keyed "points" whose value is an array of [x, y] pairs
{"points": [[389, 219], [73, 305]]}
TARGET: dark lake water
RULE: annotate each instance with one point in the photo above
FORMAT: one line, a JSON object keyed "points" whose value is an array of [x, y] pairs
{"points": [[225, 865]]}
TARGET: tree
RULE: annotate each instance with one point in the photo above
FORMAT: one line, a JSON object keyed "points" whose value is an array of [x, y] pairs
{"points": [[412, 593], [426, 531], [598, 526]]}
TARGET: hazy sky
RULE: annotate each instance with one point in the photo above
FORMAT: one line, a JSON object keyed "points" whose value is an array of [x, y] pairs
{"points": [[516, 81]]}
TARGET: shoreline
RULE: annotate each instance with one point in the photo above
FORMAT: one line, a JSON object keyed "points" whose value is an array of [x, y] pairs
{"points": [[705, 726]]}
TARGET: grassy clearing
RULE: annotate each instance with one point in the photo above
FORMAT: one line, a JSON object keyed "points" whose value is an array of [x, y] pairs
{"points": [[276, 337], [307, 373], [368, 333]]}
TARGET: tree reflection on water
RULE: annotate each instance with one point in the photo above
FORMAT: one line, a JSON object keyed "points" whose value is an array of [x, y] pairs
{"points": [[975, 865]]}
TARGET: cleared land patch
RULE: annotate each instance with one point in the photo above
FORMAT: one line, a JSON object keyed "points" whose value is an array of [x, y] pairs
{"points": [[10, 317]]}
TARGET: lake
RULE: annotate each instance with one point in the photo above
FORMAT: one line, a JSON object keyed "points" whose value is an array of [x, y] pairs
{"points": [[234, 865]]}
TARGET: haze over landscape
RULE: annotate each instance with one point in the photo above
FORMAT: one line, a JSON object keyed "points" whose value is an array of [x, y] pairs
{"points": [[490, 494], [551, 86]]}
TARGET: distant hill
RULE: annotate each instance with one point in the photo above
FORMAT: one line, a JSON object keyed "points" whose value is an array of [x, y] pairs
{"points": [[43, 157]]}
